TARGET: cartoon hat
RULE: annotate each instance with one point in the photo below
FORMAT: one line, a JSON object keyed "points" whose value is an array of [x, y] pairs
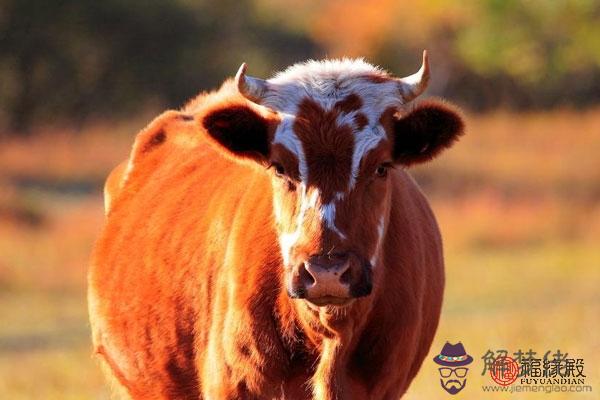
{"points": [[453, 355]]}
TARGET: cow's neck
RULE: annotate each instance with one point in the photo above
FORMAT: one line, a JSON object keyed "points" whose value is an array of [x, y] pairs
{"points": [[333, 334]]}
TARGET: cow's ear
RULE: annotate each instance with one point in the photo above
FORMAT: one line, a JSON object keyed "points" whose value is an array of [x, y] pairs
{"points": [[424, 132], [241, 130]]}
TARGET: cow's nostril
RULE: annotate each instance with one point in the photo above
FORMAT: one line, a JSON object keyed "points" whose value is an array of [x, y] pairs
{"points": [[305, 276]]}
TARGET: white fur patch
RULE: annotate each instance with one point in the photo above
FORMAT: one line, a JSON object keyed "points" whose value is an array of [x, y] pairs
{"points": [[286, 136], [329, 81], [362, 145], [328, 216], [307, 201], [380, 233], [288, 240]]}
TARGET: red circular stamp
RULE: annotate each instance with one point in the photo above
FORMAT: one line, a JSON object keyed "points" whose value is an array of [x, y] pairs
{"points": [[504, 371]]}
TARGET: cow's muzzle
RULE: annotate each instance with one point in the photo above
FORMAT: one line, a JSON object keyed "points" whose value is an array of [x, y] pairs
{"points": [[330, 279]]}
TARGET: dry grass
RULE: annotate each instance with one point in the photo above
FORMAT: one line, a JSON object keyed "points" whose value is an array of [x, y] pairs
{"points": [[517, 201], [518, 204]]}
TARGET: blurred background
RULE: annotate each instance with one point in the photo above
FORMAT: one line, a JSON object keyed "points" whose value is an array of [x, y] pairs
{"points": [[517, 199]]}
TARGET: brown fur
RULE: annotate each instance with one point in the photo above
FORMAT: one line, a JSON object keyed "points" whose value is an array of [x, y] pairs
{"points": [[360, 121], [352, 102], [186, 285], [377, 78], [328, 147]]}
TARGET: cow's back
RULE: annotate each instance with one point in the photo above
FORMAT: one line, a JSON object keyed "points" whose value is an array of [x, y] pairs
{"points": [[154, 267]]}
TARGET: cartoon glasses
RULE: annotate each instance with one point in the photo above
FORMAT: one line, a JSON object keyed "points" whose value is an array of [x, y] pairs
{"points": [[459, 372]]}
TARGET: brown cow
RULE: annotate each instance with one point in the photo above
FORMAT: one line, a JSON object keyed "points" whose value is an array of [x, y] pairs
{"points": [[266, 242]]}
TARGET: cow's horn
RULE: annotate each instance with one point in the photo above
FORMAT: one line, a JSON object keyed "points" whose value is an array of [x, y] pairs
{"points": [[251, 88], [415, 84]]}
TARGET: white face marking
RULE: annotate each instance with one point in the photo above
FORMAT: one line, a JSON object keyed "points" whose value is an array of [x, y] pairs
{"points": [[380, 232], [286, 136], [362, 145], [307, 202], [328, 216], [288, 240]]}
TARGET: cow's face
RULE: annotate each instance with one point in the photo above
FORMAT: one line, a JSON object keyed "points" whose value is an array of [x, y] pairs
{"points": [[330, 145]]}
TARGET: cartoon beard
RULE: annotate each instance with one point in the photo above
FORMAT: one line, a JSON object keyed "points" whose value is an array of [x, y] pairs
{"points": [[453, 386]]}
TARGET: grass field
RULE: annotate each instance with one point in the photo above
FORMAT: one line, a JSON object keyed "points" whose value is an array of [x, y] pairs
{"points": [[518, 202]]}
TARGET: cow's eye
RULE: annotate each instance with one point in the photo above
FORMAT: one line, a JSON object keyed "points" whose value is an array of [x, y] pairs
{"points": [[278, 168], [382, 170]]}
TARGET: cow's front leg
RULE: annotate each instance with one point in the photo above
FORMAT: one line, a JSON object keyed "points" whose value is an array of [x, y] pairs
{"points": [[328, 381], [223, 380], [226, 388], [245, 358]]}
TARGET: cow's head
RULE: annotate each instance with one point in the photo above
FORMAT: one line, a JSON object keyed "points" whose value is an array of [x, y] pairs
{"points": [[330, 134]]}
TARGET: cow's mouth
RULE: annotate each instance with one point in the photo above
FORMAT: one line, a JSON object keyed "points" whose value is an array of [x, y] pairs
{"points": [[330, 301]]}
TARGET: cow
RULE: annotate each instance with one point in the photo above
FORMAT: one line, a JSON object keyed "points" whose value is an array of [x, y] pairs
{"points": [[266, 241]]}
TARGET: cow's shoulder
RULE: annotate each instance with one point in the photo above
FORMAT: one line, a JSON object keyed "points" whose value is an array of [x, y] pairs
{"points": [[163, 142]]}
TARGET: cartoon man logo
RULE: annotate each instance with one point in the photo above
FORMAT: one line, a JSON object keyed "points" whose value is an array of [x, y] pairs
{"points": [[453, 372]]}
